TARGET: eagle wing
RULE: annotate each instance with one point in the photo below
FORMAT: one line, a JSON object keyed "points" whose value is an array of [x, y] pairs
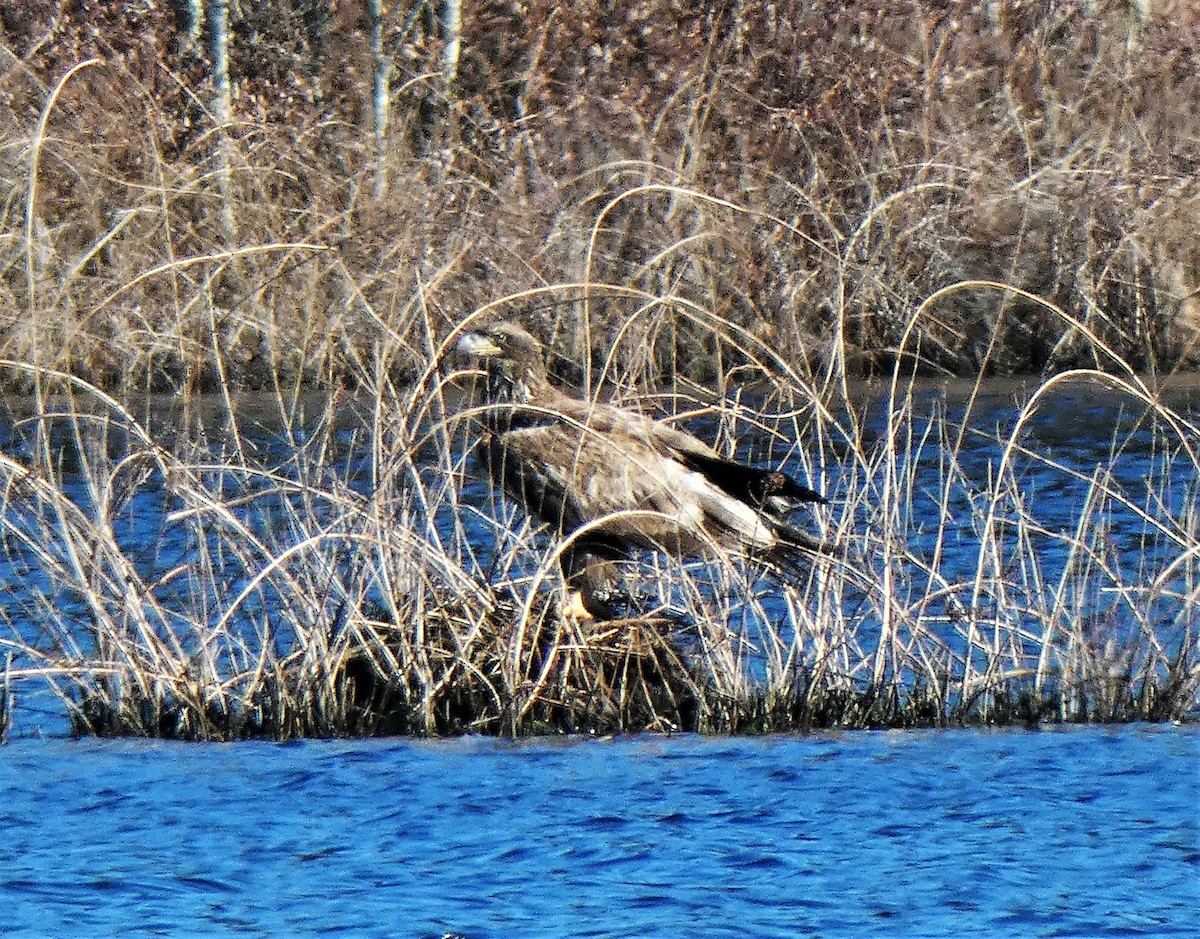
{"points": [[769, 490], [631, 472]]}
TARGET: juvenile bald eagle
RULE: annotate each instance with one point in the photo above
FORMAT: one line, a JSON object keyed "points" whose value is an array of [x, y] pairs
{"points": [[570, 462]]}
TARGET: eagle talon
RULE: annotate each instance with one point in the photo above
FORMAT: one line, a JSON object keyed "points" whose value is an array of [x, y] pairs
{"points": [[575, 609]]}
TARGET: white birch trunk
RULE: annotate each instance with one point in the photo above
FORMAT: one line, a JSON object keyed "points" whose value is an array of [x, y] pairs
{"points": [[452, 33], [195, 27], [222, 111], [381, 68]]}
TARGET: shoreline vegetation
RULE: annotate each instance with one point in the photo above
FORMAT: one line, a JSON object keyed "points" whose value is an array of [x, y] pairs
{"points": [[307, 205], [347, 575]]}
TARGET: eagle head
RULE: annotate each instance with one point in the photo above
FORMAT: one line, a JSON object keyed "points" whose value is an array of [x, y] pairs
{"points": [[511, 357]]}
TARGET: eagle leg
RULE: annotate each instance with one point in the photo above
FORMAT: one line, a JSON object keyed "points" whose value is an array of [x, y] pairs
{"points": [[589, 571], [575, 608]]}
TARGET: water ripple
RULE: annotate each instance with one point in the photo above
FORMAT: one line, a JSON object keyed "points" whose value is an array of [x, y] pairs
{"points": [[1071, 833]]}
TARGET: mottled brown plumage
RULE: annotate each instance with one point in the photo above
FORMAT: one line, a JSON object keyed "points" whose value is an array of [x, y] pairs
{"points": [[645, 484]]}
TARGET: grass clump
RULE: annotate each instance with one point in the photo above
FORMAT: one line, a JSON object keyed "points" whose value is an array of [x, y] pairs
{"points": [[306, 566], [729, 214]]}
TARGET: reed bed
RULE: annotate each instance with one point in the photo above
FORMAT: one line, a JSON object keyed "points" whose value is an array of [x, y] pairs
{"points": [[730, 217], [312, 566], [809, 172]]}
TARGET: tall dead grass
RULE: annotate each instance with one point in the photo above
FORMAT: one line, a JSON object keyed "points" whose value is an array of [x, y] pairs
{"points": [[808, 172], [729, 214], [316, 567]]}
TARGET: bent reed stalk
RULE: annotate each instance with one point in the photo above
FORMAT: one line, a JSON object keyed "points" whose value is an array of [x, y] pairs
{"points": [[345, 573]]}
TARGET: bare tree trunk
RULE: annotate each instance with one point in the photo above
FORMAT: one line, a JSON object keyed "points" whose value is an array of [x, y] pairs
{"points": [[195, 26], [381, 69], [452, 34], [223, 112]]}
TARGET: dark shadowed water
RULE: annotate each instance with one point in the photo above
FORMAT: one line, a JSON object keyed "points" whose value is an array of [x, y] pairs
{"points": [[1082, 832]]}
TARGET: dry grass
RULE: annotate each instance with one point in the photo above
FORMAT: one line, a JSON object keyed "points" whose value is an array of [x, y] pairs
{"points": [[777, 196], [343, 575], [809, 172]]}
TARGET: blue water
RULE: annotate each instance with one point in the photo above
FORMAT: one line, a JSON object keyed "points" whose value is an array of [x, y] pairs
{"points": [[1081, 832], [1078, 832]]}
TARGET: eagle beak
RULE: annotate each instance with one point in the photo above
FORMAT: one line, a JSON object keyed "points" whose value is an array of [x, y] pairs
{"points": [[477, 344]]}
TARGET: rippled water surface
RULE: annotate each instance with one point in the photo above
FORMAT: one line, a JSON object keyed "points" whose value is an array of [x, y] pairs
{"points": [[1078, 832]]}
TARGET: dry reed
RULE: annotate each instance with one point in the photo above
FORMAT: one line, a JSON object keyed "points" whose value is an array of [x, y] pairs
{"points": [[195, 575], [783, 198], [809, 172]]}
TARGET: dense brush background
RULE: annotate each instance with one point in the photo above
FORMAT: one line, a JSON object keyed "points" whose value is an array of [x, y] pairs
{"points": [[810, 171]]}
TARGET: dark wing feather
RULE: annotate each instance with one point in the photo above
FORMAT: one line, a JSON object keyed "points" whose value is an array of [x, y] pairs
{"points": [[759, 487]]}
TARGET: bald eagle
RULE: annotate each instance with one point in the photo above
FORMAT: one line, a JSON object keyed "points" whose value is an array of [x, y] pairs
{"points": [[619, 480]]}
